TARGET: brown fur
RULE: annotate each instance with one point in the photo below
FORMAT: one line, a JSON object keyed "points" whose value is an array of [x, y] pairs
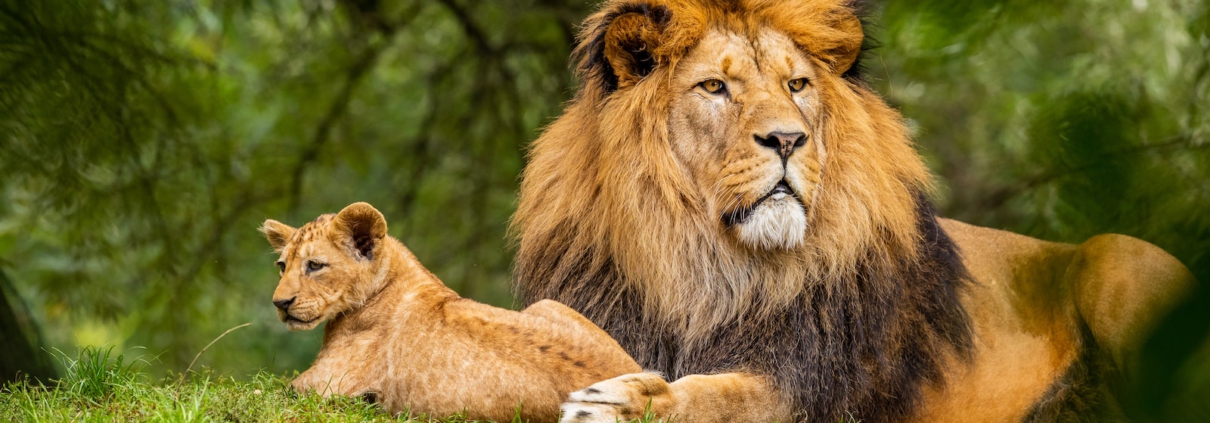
{"points": [[641, 207], [398, 335]]}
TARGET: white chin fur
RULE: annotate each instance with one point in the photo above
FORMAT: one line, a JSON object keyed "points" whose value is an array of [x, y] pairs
{"points": [[780, 223]]}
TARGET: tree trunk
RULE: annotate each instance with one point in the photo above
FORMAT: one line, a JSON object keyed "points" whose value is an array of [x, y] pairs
{"points": [[21, 355]]}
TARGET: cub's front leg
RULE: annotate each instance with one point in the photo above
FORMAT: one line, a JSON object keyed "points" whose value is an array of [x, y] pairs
{"points": [[726, 397], [327, 381]]}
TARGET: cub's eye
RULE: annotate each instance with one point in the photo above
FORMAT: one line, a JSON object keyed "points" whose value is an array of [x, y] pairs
{"points": [[281, 267], [713, 86], [314, 265], [797, 84]]}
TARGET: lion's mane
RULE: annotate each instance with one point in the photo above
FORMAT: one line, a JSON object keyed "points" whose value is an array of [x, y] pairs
{"points": [[854, 321]]}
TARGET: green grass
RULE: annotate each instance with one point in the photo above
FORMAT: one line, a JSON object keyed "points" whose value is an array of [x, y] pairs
{"points": [[98, 387]]}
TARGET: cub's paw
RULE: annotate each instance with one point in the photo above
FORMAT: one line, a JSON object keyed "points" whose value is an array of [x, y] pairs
{"points": [[620, 399]]}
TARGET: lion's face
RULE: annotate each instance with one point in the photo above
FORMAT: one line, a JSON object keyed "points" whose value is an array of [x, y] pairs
{"points": [[719, 156], [743, 123], [326, 265], [315, 279]]}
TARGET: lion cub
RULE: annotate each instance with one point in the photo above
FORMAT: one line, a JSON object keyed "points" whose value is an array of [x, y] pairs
{"points": [[400, 337]]}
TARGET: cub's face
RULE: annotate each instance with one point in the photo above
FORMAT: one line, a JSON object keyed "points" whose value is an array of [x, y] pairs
{"points": [[745, 123], [326, 265]]}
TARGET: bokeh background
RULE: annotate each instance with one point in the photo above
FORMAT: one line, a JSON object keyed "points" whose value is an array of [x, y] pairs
{"points": [[143, 141]]}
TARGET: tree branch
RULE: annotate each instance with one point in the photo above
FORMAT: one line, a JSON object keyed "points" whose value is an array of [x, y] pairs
{"points": [[337, 110], [470, 28]]}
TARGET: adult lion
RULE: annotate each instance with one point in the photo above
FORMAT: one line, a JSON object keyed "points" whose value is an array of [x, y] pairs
{"points": [[728, 200]]}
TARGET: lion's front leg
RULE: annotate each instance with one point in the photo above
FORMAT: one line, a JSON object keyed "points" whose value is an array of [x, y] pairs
{"points": [[309, 382], [698, 398], [325, 383]]}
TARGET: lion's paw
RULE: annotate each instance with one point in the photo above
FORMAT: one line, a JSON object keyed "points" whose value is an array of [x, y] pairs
{"points": [[620, 399], [582, 412]]}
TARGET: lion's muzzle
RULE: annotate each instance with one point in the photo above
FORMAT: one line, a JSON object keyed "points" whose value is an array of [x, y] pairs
{"points": [[783, 143], [741, 214]]}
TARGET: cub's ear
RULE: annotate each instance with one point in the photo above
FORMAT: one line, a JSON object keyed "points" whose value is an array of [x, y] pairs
{"points": [[619, 43], [277, 233], [361, 228]]}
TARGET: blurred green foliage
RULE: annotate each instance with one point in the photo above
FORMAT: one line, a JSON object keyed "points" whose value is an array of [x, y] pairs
{"points": [[1063, 120], [142, 142]]}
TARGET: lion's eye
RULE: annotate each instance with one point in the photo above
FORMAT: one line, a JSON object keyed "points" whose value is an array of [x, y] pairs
{"points": [[281, 267], [713, 86], [314, 265], [797, 84]]}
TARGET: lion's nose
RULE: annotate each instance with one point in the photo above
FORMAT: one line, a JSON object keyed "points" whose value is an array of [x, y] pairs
{"points": [[284, 304], [783, 143]]}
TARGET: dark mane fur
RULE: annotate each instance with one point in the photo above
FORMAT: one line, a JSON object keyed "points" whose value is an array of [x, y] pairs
{"points": [[864, 349], [855, 323]]}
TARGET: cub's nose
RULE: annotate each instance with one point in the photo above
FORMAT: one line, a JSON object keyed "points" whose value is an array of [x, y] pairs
{"points": [[783, 143], [284, 304]]}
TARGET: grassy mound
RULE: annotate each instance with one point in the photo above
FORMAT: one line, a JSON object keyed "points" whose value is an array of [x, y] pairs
{"points": [[99, 387]]}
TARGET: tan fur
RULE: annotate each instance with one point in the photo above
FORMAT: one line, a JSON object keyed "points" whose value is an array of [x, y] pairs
{"points": [[397, 333], [639, 174], [1029, 301]]}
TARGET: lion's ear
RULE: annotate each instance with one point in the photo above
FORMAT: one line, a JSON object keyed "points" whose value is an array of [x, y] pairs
{"points": [[619, 43], [837, 40], [361, 228], [277, 233], [848, 45]]}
